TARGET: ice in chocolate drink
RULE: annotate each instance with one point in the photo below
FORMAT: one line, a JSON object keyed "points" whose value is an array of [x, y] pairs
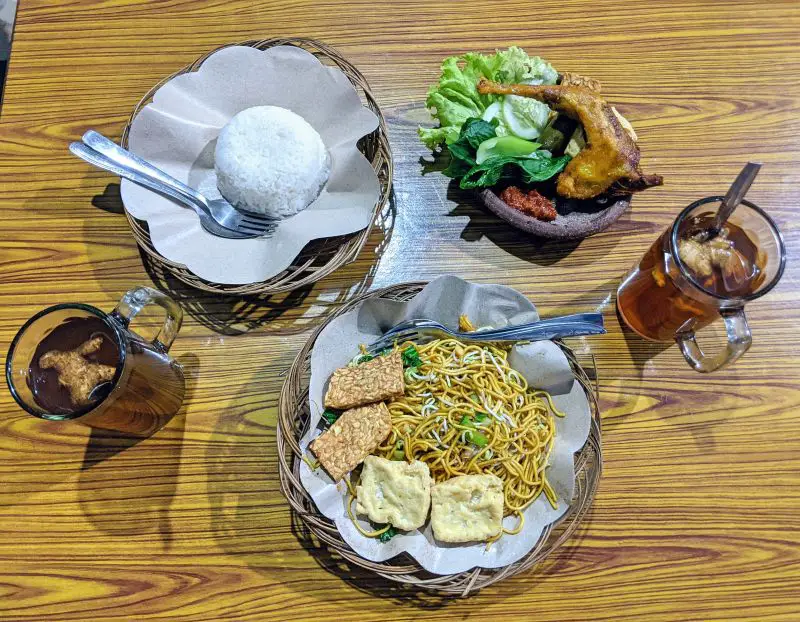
{"points": [[74, 366]]}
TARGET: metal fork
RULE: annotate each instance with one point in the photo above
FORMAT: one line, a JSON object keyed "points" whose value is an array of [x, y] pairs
{"points": [[553, 328], [217, 216]]}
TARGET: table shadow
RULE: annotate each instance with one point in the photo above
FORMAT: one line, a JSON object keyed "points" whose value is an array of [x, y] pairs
{"points": [[482, 223], [642, 352], [285, 313], [367, 582], [127, 483], [110, 200]]}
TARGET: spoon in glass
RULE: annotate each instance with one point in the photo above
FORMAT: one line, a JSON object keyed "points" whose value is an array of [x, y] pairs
{"points": [[734, 196]]}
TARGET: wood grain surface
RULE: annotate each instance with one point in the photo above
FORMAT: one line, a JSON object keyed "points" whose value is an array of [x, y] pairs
{"points": [[698, 512]]}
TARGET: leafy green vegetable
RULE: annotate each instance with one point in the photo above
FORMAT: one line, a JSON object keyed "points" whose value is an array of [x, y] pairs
{"points": [[505, 146], [535, 167], [474, 133], [517, 67], [457, 168], [388, 534], [411, 358], [330, 415], [455, 98]]}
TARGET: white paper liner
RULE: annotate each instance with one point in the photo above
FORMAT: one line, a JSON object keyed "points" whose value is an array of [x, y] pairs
{"points": [[542, 363], [177, 132]]}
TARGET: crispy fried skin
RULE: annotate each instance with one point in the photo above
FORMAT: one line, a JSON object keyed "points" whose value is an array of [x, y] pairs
{"points": [[610, 160], [575, 79]]}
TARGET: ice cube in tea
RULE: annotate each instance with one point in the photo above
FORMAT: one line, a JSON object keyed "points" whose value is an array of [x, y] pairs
{"points": [[727, 265]]}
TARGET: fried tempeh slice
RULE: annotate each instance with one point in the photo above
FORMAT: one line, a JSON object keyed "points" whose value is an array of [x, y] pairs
{"points": [[374, 381], [354, 436]]}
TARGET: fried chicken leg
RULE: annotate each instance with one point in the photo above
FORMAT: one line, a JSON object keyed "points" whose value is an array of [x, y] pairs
{"points": [[610, 160]]}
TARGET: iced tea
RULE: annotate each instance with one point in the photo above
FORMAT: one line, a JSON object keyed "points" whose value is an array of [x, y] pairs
{"points": [[668, 292]]}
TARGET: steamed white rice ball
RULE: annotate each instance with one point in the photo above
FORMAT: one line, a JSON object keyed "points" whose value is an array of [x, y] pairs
{"points": [[271, 161]]}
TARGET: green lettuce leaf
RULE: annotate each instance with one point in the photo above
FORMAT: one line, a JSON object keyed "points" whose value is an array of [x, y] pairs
{"points": [[517, 67], [455, 98], [432, 137]]}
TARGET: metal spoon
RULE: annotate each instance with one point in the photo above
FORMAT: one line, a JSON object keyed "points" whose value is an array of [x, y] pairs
{"points": [[734, 196]]}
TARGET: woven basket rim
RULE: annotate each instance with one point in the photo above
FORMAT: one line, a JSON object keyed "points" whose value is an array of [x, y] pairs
{"points": [[309, 267], [292, 414]]}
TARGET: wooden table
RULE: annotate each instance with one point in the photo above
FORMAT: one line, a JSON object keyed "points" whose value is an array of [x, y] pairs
{"points": [[697, 512]]}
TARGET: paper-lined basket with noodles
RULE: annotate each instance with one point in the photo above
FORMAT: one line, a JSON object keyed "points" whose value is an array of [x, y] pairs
{"points": [[517, 477]]}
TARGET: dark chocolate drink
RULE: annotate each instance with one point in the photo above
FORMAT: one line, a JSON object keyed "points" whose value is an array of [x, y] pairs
{"points": [[78, 367], [49, 391]]}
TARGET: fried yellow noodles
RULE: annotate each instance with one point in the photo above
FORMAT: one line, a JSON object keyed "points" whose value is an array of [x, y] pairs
{"points": [[466, 411]]}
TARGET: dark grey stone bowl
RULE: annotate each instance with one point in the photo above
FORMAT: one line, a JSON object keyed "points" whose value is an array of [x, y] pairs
{"points": [[576, 219]]}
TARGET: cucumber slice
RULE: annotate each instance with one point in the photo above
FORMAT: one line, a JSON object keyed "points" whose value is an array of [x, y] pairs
{"points": [[510, 146], [525, 117], [492, 111]]}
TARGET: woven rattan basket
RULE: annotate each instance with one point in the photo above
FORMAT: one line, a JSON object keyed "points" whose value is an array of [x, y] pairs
{"points": [[293, 417], [320, 257]]}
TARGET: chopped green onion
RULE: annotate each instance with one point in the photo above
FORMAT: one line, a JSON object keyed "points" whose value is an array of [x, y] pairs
{"points": [[476, 438], [480, 417], [399, 452], [330, 415], [388, 534], [473, 436]]}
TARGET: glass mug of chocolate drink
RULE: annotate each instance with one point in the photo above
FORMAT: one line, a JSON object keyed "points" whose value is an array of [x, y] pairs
{"points": [[685, 281], [73, 361]]}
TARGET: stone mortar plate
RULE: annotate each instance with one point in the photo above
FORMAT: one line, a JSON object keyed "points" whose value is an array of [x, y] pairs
{"points": [[576, 219]]}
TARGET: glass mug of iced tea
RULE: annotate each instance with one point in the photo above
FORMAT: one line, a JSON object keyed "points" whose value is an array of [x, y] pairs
{"points": [[73, 361], [685, 281]]}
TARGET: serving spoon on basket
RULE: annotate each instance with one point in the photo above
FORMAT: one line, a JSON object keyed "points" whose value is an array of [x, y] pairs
{"points": [[575, 325], [217, 216]]}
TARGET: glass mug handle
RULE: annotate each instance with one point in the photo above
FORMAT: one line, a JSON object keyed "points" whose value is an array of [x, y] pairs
{"points": [[739, 341], [140, 297]]}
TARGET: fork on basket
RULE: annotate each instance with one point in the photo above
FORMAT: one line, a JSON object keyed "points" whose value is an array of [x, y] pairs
{"points": [[575, 325], [217, 216]]}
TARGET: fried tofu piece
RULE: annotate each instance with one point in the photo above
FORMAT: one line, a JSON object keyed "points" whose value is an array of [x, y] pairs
{"points": [[467, 508], [394, 492], [374, 381], [354, 435]]}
